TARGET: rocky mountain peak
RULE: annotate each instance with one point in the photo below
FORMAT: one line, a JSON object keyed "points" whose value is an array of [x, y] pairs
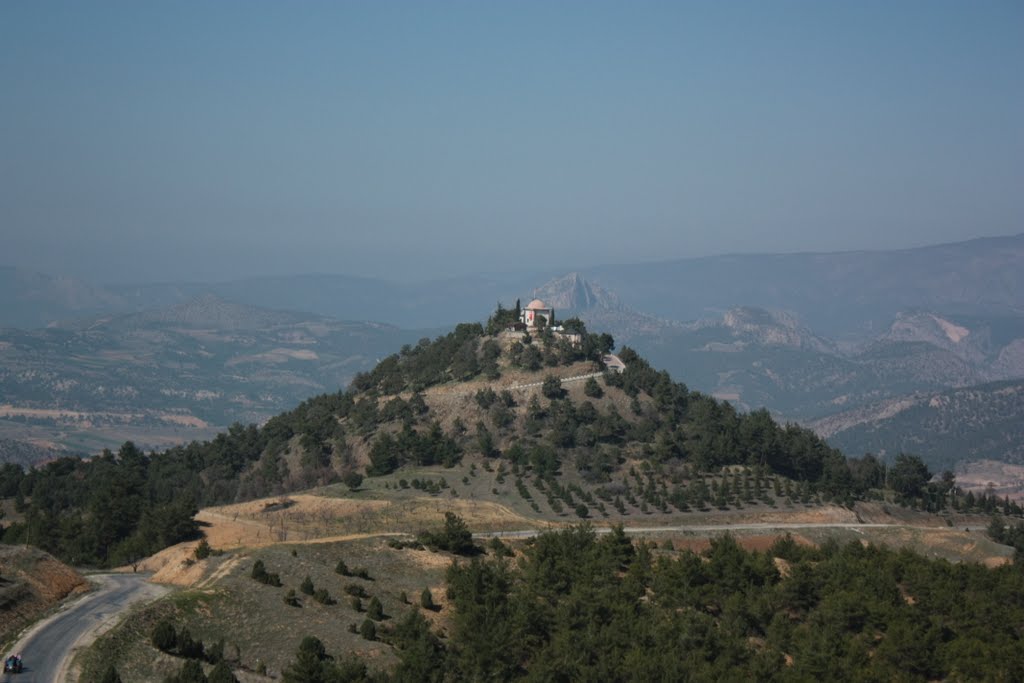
{"points": [[924, 326], [573, 292]]}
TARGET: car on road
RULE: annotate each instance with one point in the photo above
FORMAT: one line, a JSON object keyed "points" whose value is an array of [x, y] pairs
{"points": [[13, 665]]}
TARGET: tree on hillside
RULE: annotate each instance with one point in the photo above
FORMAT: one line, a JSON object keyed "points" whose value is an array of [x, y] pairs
{"points": [[368, 630], [484, 441], [552, 387], [309, 665], [352, 479], [908, 475], [375, 610]]}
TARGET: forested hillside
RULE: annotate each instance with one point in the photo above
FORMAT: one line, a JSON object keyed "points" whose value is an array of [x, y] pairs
{"points": [[636, 441], [946, 428], [576, 607]]}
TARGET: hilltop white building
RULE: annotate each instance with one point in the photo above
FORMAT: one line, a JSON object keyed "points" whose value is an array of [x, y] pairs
{"points": [[534, 311]]}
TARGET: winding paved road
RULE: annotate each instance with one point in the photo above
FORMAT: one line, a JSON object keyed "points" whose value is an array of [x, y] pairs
{"points": [[48, 647]]}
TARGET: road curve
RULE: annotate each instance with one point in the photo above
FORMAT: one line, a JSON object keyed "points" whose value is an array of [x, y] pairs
{"points": [[48, 647]]}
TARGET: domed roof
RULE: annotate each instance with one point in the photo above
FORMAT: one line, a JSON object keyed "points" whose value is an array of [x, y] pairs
{"points": [[537, 305]]}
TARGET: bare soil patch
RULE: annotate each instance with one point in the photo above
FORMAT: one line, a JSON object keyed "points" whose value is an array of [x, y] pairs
{"points": [[753, 542], [309, 518], [31, 583], [1000, 478]]}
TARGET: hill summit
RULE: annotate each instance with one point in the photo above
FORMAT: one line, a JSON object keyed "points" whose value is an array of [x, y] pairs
{"points": [[563, 434]]}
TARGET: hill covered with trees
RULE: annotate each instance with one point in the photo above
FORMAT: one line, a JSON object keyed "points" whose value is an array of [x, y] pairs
{"points": [[540, 408], [578, 607]]}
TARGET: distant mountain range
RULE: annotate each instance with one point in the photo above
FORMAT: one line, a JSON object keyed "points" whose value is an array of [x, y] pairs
{"points": [[848, 295], [843, 295], [810, 336]]}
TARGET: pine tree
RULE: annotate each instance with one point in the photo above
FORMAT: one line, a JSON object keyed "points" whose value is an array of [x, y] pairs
{"points": [[308, 666], [375, 610], [368, 630]]}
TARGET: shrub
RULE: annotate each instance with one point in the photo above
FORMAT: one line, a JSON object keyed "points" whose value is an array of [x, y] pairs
{"points": [[368, 630], [486, 397], [427, 600], [323, 597], [352, 480], [375, 610], [189, 648], [356, 590], [499, 548], [202, 550], [307, 585], [165, 638], [342, 568], [222, 673], [260, 573]]}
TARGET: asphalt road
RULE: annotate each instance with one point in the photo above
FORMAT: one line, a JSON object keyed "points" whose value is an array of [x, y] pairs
{"points": [[48, 647]]}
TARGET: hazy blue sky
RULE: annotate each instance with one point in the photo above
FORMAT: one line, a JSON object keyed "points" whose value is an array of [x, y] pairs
{"points": [[146, 140]]}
